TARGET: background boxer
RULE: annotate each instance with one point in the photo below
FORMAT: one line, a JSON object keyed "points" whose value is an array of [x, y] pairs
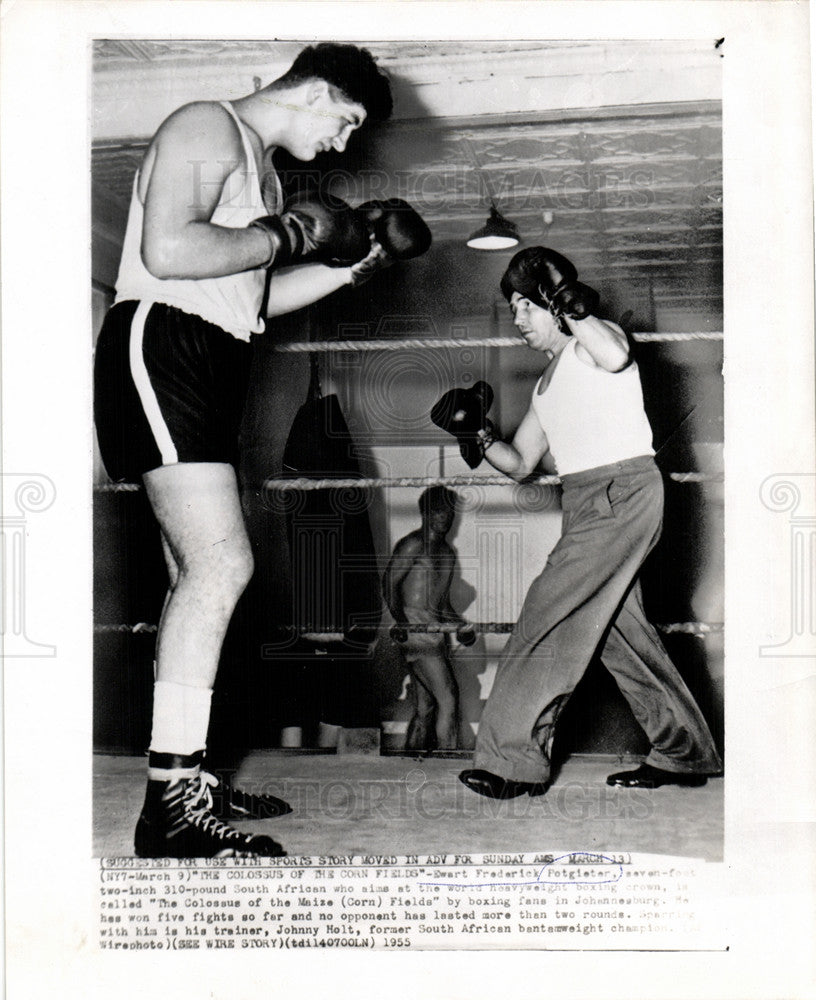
{"points": [[172, 366], [586, 422], [416, 586]]}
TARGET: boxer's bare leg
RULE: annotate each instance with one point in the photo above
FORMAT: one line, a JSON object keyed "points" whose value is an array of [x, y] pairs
{"points": [[209, 561], [435, 673], [198, 509], [420, 728]]}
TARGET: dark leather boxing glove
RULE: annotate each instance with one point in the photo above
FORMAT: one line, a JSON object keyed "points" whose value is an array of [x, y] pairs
{"points": [[575, 300], [560, 289], [376, 260], [466, 634], [310, 229], [463, 413], [397, 232], [397, 227], [399, 633]]}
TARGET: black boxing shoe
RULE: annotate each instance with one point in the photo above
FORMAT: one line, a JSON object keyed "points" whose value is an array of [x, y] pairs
{"points": [[177, 822], [230, 802], [647, 776], [493, 787]]}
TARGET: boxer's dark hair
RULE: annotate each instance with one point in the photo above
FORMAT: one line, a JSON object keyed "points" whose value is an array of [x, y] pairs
{"points": [[524, 274], [349, 69], [436, 497]]}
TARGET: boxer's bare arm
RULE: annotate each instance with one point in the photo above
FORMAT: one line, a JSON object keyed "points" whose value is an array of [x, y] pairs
{"points": [[402, 561], [293, 288], [189, 160], [600, 342], [447, 610], [520, 457]]}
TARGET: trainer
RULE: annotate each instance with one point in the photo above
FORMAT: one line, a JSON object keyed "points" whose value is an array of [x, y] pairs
{"points": [[172, 368], [416, 587], [586, 422]]}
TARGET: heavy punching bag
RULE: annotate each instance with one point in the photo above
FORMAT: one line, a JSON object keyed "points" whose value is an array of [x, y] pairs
{"points": [[335, 580]]}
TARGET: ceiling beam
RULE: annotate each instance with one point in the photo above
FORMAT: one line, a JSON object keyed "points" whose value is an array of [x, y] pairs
{"points": [[135, 91]]}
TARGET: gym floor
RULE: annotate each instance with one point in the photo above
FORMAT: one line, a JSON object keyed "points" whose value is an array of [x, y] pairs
{"points": [[353, 804]]}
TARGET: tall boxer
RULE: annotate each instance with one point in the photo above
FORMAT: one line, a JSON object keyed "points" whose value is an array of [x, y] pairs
{"points": [[171, 373], [587, 423]]}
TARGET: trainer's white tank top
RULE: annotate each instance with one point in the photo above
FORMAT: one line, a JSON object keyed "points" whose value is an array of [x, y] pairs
{"points": [[592, 417], [233, 301]]}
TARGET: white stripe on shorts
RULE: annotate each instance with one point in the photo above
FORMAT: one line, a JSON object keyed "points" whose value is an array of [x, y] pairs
{"points": [[144, 387]]}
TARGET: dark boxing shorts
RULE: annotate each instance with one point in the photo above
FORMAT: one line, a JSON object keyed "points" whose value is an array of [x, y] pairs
{"points": [[168, 387]]}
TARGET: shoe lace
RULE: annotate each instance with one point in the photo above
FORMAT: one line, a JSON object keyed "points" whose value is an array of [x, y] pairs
{"points": [[198, 802], [211, 780], [237, 795]]}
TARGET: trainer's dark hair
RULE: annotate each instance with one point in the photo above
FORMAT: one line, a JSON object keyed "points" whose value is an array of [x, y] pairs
{"points": [[435, 497], [350, 69], [525, 272]]}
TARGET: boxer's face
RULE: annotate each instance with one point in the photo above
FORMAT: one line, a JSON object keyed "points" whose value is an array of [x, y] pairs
{"points": [[537, 325], [439, 518], [328, 121]]}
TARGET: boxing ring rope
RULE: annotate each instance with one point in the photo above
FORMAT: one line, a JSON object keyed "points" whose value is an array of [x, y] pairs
{"points": [[287, 485], [297, 347], [699, 629]]}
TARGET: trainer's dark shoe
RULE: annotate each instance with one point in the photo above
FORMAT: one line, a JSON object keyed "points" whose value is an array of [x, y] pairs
{"points": [[177, 822], [493, 787], [647, 776], [230, 802]]}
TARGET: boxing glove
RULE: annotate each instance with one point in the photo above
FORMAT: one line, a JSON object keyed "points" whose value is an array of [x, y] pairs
{"points": [[397, 227], [466, 634], [374, 261], [463, 413], [326, 230], [575, 300], [397, 232], [560, 289]]}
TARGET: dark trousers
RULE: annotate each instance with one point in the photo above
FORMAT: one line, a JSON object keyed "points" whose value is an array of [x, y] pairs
{"points": [[588, 597]]}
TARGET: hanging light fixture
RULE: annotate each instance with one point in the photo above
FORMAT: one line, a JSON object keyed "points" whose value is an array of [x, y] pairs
{"points": [[497, 233]]}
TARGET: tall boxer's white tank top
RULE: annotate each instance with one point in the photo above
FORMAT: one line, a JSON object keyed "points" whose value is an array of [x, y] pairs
{"points": [[233, 301], [592, 417]]}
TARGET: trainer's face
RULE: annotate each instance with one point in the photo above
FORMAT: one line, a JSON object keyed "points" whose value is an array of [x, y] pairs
{"points": [[538, 326], [329, 121], [440, 519]]}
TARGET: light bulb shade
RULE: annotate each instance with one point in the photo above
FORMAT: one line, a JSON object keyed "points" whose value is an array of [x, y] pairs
{"points": [[497, 233]]}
